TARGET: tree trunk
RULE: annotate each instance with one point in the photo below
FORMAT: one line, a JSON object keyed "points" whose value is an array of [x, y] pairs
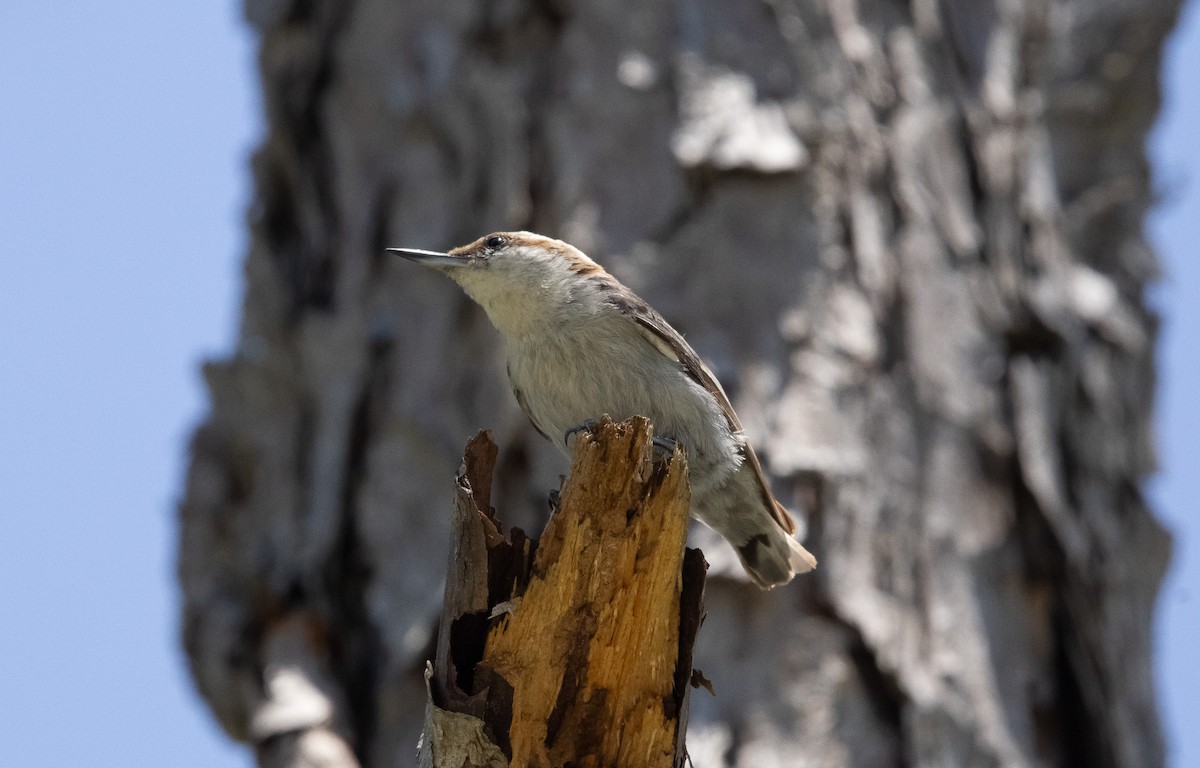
{"points": [[906, 236]]}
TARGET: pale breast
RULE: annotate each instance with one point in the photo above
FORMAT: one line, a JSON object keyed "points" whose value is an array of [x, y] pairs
{"points": [[567, 378]]}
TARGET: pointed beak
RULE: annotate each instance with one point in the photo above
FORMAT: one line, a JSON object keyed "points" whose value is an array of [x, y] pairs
{"points": [[429, 258]]}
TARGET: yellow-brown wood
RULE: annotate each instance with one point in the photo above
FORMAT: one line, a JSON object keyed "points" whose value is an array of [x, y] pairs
{"points": [[590, 649]]}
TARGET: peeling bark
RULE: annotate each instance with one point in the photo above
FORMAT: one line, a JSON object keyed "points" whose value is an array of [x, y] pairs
{"points": [[575, 650]]}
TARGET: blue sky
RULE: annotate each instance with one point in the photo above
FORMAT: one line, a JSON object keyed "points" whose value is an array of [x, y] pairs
{"points": [[125, 133], [1175, 492]]}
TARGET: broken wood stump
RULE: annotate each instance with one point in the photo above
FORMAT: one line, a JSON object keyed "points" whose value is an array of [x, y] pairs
{"points": [[575, 649]]}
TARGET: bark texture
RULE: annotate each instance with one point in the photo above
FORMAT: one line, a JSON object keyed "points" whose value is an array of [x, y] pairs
{"points": [[906, 234], [574, 649]]}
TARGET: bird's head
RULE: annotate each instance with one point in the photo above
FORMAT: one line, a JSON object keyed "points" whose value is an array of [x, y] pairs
{"points": [[521, 279]]}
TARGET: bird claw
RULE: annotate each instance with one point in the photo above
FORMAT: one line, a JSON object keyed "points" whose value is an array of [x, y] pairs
{"points": [[663, 448], [586, 426]]}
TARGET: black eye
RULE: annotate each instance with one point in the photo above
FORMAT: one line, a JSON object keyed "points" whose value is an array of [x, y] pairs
{"points": [[496, 241]]}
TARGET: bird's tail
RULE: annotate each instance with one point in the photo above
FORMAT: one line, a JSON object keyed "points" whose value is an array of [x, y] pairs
{"points": [[799, 559], [760, 529], [773, 557]]}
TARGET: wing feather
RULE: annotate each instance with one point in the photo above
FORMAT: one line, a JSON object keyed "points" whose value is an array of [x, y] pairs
{"points": [[659, 333]]}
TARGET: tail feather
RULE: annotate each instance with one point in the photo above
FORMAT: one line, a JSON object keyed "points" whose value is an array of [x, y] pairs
{"points": [[760, 529], [799, 558], [771, 560]]}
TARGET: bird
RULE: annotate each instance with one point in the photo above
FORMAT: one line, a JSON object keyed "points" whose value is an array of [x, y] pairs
{"points": [[581, 345]]}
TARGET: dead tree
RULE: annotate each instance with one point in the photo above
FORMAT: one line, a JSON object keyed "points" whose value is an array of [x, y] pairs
{"points": [[574, 649], [905, 233]]}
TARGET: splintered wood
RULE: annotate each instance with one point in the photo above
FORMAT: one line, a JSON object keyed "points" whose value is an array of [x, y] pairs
{"points": [[575, 650]]}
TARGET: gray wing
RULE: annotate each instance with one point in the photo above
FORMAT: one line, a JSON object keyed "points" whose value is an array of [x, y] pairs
{"points": [[659, 333]]}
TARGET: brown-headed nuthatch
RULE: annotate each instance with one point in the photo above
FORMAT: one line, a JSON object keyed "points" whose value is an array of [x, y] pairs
{"points": [[581, 345]]}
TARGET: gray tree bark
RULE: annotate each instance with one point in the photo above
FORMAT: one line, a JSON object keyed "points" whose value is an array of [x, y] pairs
{"points": [[906, 235]]}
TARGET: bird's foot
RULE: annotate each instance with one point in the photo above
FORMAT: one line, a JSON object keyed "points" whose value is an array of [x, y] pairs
{"points": [[553, 500], [663, 448], [587, 426]]}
